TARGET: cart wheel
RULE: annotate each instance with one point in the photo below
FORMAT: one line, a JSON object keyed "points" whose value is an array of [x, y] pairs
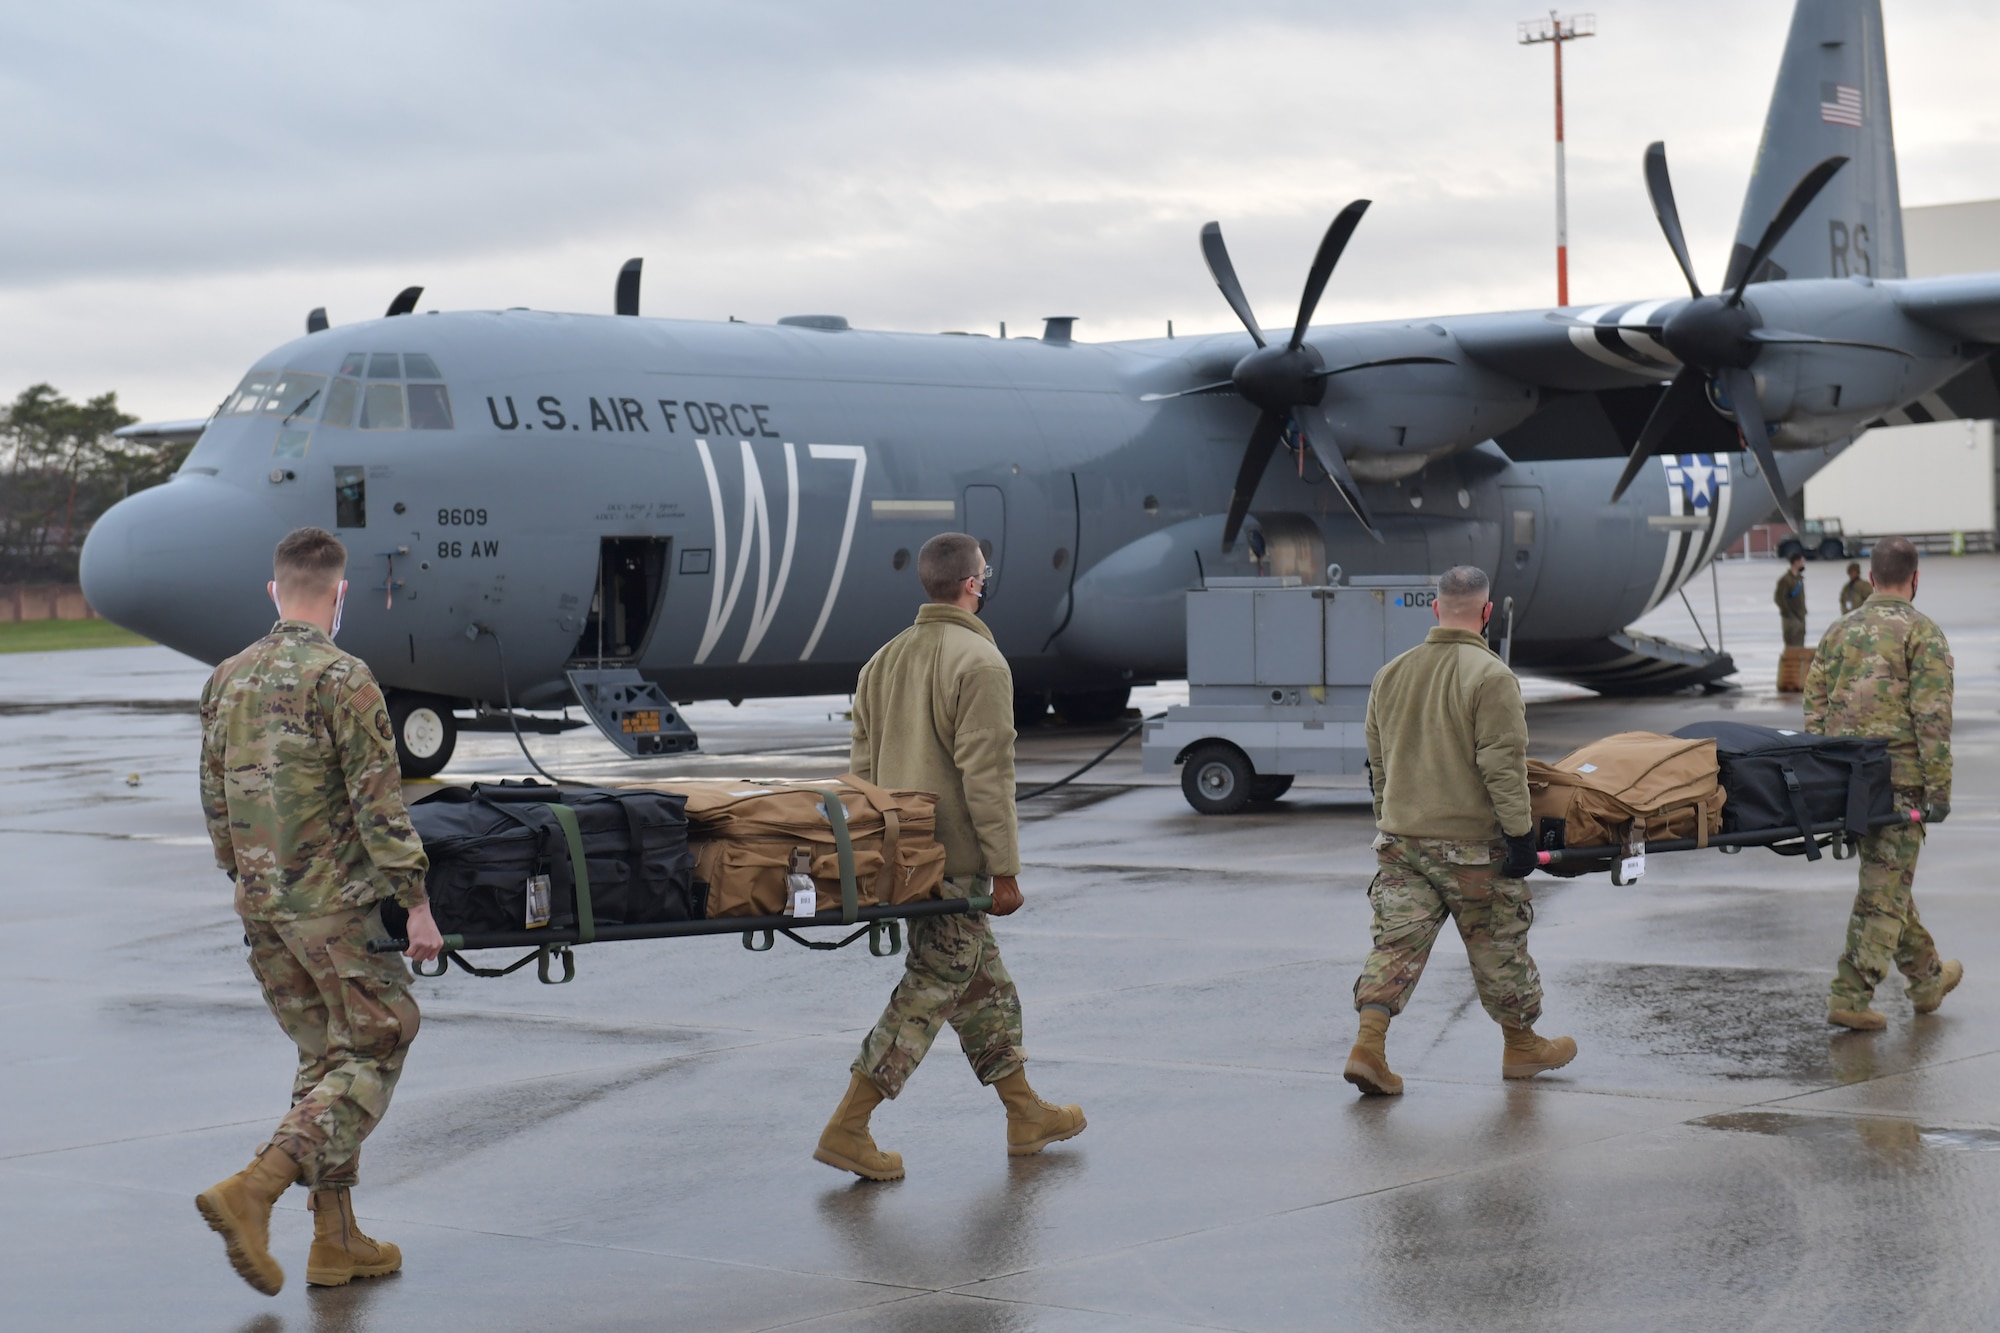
{"points": [[1268, 787], [1832, 549], [1217, 778], [1790, 547]]}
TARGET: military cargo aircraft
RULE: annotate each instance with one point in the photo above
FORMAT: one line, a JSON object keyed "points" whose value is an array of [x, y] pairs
{"points": [[732, 510]]}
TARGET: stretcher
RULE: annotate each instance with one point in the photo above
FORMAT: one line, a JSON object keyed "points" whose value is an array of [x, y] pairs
{"points": [[551, 948], [1626, 862]]}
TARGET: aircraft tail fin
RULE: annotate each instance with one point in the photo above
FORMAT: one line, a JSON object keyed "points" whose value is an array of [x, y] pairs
{"points": [[1832, 97]]}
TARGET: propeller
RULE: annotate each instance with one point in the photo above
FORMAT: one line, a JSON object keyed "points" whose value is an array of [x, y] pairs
{"points": [[1287, 382], [626, 298], [1718, 338]]}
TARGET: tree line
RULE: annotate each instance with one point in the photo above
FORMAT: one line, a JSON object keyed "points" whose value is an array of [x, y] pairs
{"points": [[61, 467]]}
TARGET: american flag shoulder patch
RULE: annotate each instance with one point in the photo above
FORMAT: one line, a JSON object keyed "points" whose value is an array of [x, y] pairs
{"points": [[365, 700], [1840, 104]]}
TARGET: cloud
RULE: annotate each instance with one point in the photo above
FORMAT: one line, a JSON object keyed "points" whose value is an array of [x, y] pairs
{"points": [[185, 181]]}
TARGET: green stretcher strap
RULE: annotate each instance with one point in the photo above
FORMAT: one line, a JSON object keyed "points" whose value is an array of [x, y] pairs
{"points": [[586, 922], [843, 846]]}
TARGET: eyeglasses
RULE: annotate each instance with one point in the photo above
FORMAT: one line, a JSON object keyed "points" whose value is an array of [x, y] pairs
{"points": [[985, 575]]}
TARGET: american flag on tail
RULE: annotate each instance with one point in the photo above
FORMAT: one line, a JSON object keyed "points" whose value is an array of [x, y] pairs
{"points": [[1840, 104]]}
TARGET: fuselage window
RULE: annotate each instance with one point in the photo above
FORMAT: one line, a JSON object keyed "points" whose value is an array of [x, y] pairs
{"points": [[417, 366], [342, 396], [384, 366], [430, 407], [382, 408], [296, 396], [248, 394], [354, 365], [350, 497]]}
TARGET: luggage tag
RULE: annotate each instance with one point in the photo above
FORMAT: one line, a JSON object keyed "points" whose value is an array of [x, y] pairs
{"points": [[799, 886], [1632, 857], [537, 913]]}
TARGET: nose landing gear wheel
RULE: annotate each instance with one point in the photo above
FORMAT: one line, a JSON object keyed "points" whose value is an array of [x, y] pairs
{"points": [[425, 731], [1217, 779]]}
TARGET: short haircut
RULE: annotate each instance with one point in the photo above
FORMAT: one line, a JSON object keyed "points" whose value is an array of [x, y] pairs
{"points": [[310, 561], [1464, 587], [947, 560], [1854, 568], [1893, 561], [1796, 558]]}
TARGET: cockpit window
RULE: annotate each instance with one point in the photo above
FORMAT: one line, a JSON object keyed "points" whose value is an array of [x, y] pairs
{"points": [[248, 394], [430, 407], [417, 366], [354, 364], [384, 366], [296, 396], [382, 408], [342, 396]]}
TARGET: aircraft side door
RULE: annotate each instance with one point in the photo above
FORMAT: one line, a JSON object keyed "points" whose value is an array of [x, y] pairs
{"points": [[1523, 536], [986, 519]]}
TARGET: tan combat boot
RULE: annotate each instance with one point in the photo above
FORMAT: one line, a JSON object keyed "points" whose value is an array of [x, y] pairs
{"points": [[1368, 1063], [1033, 1124], [1527, 1055], [239, 1209], [1926, 999], [1860, 1020], [846, 1142], [340, 1250]]}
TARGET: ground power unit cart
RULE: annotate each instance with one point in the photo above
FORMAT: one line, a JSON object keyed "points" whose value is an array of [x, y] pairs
{"points": [[1278, 677]]}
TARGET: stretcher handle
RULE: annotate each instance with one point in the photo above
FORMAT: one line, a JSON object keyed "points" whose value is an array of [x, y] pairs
{"points": [[1754, 838]]}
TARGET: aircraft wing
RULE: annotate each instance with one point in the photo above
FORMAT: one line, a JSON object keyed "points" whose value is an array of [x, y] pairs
{"points": [[1965, 306], [164, 432]]}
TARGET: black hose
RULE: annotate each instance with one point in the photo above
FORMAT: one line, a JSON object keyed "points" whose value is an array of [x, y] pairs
{"points": [[507, 699], [1102, 755]]}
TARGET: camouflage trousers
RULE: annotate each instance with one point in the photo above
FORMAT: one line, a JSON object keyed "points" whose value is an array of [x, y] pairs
{"points": [[952, 973], [351, 1015], [1884, 927], [1419, 882]]}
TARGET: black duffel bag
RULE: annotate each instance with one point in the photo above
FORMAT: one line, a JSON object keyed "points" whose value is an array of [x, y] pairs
{"points": [[1778, 778], [487, 843]]}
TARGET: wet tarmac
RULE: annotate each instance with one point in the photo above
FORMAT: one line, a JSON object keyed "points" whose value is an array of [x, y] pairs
{"points": [[633, 1150]]}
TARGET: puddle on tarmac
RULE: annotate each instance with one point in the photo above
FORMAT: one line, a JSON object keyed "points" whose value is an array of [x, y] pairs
{"points": [[1875, 1131]]}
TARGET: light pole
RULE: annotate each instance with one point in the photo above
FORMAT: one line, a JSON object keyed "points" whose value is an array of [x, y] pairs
{"points": [[1556, 31]]}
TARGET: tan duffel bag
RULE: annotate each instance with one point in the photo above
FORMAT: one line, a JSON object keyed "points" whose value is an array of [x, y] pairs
{"points": [[747, 835], [1634, 783]]}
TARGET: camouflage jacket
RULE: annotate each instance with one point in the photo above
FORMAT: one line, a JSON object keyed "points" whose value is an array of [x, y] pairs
{"points": [[1790, 595], [1885, 671], [299, 781]]}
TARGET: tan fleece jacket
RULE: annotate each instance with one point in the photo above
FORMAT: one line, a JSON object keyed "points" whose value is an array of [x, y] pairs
{"points": [[934, 711], [1448, 742]]}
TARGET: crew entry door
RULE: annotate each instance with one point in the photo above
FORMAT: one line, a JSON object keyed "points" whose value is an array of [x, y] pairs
{"points": [[1522, 538], [986, 519], [631, 580]]}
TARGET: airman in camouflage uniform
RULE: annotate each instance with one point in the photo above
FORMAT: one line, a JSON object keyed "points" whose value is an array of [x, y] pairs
{"points": [[1886, 670], [934, 711], [304, 803], [1448, 765], [1790, 595]]}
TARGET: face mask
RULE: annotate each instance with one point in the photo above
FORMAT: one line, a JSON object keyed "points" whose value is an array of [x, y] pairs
{"points": [[339, 603]]}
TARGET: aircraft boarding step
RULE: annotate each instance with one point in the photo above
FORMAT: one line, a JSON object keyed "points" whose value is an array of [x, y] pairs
{"points": [[632, 712]]}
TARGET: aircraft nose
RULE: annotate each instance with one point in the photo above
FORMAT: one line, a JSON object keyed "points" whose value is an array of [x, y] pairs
{"points": [[185, 565]]}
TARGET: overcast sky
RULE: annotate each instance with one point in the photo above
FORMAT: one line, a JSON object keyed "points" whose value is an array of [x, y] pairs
{"points": [[180, 183]]}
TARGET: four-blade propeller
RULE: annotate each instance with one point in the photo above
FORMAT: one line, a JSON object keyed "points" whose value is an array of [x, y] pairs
{"points": [[1287, 382], [1718, 338]]}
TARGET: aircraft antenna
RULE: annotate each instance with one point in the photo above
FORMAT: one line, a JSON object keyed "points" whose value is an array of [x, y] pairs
{"points": [[1556, 31]]}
